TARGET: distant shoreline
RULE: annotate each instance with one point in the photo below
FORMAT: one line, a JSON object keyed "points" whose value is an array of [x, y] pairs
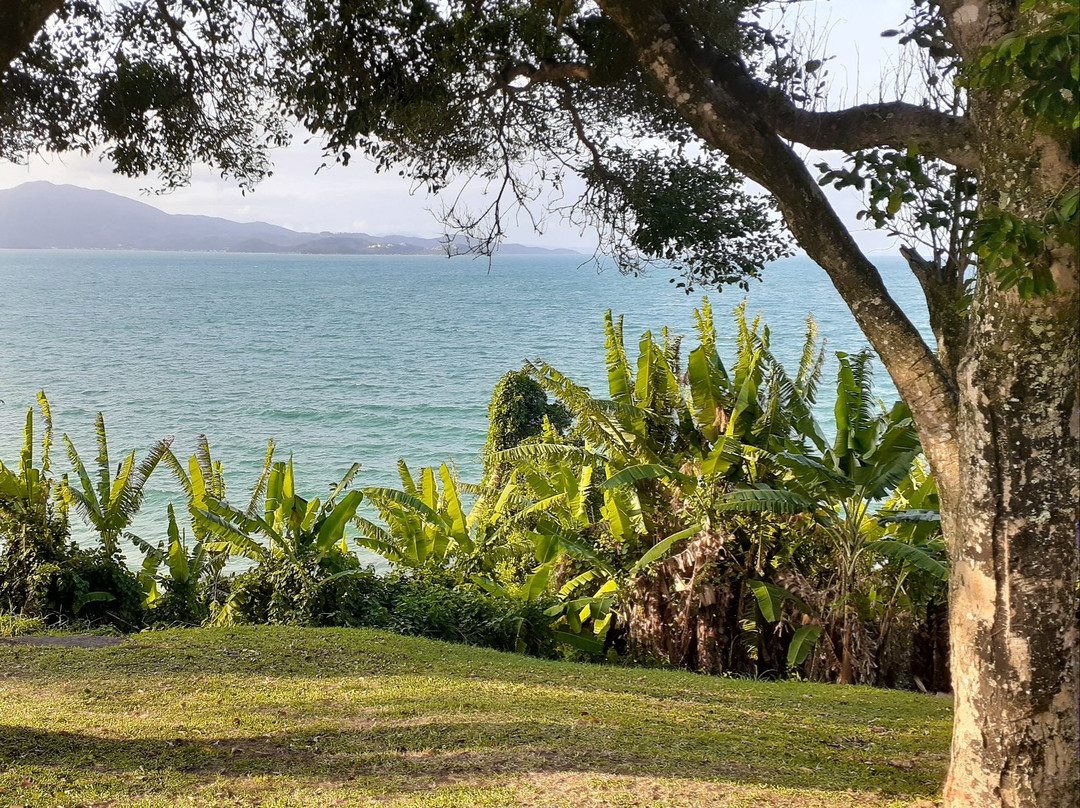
{"points": [[545, 253], [43, 216]]}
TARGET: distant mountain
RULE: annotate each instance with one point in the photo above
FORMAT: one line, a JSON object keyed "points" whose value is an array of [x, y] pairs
{"points": [[42, 216]]}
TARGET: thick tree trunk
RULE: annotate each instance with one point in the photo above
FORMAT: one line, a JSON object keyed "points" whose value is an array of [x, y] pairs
{"points": [[1012, 530], [1011, 520]]}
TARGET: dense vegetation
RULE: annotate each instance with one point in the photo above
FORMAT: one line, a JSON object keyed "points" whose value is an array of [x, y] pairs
{"points": [[697, 517]]}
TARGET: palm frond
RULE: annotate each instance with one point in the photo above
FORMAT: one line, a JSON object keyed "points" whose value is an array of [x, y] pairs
{"points": [[620, 377], [346, 481], [417, 506], [104, 469], [88, 499], [47, 432], [768, 500], [258, 491], [179, 474], [544, 452]]}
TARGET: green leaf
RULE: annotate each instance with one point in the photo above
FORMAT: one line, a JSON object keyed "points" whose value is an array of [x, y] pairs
{"points": [[911, 554], [662, 547], [645, 471], [767, 500], [91, 597], [588, 643], [802, 644], [771, 598], [618, 367], [332, 529], [382, 495]]}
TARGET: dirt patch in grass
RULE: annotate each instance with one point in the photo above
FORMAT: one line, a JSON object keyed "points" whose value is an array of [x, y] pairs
{"points": [[65, 640]]}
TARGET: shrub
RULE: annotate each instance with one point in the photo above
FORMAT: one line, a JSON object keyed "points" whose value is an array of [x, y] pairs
{"points": [[88, 585], [331, 591]]}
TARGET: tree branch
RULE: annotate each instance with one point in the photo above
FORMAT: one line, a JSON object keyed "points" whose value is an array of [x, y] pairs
{"points": [[943, 286], [895, 124], [20, 22], [548, 71], [669, 50]]}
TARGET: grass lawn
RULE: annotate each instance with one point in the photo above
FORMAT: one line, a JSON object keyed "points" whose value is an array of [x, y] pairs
{"points": [[311, 717]]}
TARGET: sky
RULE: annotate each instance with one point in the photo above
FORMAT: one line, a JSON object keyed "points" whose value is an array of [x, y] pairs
{"points": [[356, 198]]}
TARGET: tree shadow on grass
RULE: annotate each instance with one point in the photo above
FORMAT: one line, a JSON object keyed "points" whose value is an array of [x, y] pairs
{"points": [[407, 757]]}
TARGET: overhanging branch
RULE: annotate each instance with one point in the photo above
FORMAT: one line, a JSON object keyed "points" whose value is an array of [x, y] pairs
{"points": [[521, 76], [20, 22], [894, 124], [727, 120]]}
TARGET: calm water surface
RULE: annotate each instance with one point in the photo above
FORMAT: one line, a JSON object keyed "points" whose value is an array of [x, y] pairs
{"points": [[338, 358]]}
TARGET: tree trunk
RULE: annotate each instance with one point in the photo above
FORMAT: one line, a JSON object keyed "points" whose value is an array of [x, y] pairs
{"points": [[847, 676], [1012, 532], [1011, 518], [675, 616]]}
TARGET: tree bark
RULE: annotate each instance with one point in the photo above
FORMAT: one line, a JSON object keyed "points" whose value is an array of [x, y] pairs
{"points": [[1011, 528], [1012, 522], [20, 23]]}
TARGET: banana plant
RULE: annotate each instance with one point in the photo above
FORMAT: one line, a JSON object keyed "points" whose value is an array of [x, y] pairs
{"points": [[665, 432], [186, 567], [291, 527], [109, 503], [424, 525], [910, 538], [873, 452], [203, 480], [28, 490], [655, 419]]}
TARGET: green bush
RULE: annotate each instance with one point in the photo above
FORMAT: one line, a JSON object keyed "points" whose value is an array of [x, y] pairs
{"points": [[30, 538], [428, 604], [181, 603], [424, 604], [331, 591], [88, 585]]}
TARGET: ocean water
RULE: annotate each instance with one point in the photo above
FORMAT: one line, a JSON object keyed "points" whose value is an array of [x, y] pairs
{"points": [[340, 359]]}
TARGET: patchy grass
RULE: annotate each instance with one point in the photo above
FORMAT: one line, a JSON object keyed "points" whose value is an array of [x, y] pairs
{"points": [[303, 717]]}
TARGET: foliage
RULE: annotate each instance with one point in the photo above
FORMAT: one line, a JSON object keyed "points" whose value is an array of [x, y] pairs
{"points": [[156, 86], [32, 530], [91, 585], [516, 413], [108, 504], [292, 527], [179, 580], [874, 452], [425, 526]]}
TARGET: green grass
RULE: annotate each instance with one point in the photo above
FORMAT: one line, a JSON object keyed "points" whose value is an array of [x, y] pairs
{"points": [[304, 717]]}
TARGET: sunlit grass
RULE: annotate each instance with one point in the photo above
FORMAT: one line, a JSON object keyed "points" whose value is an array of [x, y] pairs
{"points": [[303, 717]]}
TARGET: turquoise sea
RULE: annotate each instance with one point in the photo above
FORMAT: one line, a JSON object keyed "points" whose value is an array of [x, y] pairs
{"points": [[338, 358]]}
